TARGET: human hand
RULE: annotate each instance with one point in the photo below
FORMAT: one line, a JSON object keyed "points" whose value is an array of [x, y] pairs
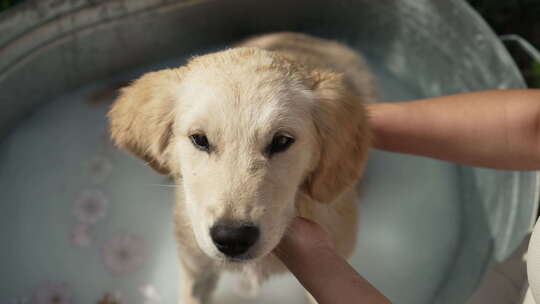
{"points": [[308, 252]]}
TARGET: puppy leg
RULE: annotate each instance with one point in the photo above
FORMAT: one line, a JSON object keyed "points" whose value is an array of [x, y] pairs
{"points": [[250, 281], [198, 282]]}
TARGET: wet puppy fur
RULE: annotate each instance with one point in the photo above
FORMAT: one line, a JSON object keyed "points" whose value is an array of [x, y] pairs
{"points": [[254, 135]]}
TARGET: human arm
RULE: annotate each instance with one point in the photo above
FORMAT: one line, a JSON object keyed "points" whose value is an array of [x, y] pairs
{"points": [[308, 253], [497, 129]]}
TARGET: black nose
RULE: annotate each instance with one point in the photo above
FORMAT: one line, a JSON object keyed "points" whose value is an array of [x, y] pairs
{"points": [[234, 240]]}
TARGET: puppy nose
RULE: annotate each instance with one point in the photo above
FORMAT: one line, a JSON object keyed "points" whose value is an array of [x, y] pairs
{"points": [[234, 240]]}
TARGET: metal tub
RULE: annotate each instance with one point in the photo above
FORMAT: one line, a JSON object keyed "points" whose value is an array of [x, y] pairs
{"points": [[429, 229]]}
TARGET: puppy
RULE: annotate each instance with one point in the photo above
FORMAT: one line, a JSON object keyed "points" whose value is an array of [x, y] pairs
{"points": [[253, 136]]}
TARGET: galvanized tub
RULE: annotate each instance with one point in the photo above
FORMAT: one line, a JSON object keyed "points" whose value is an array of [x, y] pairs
{"points": [[427, 239]]}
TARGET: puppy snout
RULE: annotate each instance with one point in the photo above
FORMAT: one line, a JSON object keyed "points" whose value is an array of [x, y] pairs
{"points": [[234, 240]]}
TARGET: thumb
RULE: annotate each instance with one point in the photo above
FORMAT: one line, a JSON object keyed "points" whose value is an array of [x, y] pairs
{"points": [[309, 254]]}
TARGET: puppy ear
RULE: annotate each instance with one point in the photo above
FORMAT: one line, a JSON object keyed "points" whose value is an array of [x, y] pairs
{"points": [[142, 117], [343, 134]]}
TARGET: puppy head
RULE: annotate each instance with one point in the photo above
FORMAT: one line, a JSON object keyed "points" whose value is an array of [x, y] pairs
{"points": [[244, 131]]}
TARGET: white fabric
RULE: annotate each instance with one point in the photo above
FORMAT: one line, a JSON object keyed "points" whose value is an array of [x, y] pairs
{"points": [[533, 263]]}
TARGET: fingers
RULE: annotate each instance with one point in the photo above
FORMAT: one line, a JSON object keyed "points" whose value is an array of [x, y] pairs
{"points": [[309, 254]]}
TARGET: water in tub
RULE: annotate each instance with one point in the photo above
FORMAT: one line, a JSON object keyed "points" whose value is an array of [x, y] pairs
{"points": [[86, 222]]}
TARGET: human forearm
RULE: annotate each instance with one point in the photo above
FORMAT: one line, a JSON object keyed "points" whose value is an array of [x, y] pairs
{"points": [[496, 129], [307, 252]]}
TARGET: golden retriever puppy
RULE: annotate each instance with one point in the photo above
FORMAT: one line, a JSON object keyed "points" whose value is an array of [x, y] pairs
{"points": [[253, 136]]}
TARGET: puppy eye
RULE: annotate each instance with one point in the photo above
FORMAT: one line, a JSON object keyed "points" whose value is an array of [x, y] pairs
{"points": [[200, 142], [279, 143]]}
